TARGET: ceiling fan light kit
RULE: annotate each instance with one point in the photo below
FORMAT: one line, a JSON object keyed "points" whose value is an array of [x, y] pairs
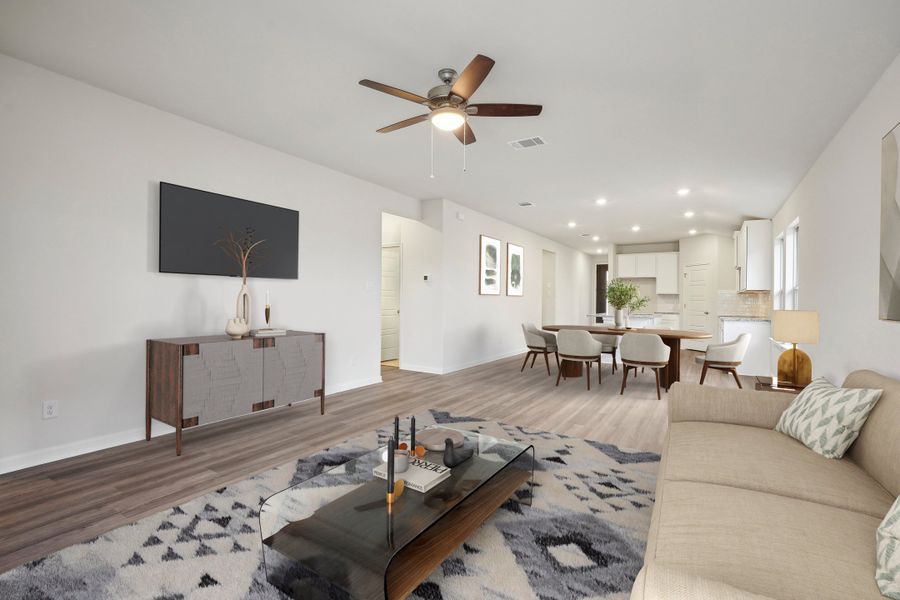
{"points": [[448, 103]]}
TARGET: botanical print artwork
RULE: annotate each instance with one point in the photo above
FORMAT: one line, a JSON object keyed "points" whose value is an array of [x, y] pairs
{"points": [[889, 285], [515, 267], [489, 267]]}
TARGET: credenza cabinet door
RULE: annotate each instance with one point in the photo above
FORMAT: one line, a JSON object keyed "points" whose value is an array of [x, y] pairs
{"points": [[292, 369], [222, 380]]}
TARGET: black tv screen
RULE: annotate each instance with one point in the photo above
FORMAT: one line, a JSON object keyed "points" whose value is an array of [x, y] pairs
{"points": [[192, 221]]}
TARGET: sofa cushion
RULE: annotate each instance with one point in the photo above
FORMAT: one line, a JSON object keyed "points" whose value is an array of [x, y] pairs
{"points": [[888, 536], [877, 450], [767, 544], [827, 418], [656, 582], [767, 461]]}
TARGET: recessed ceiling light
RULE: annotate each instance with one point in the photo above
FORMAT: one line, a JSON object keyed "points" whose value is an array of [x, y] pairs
{"points": [[599, 250], [683, 191], [635, 227], [596, 238], [693, 232], [600, 201], [689, 214], [572, 223]]}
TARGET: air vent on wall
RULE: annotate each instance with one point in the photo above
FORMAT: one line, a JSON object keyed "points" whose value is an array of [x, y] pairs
{"points": [[532, 142]]}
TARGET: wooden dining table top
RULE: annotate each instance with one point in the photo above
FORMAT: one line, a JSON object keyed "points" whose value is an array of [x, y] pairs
{"points": [[680, 334]]}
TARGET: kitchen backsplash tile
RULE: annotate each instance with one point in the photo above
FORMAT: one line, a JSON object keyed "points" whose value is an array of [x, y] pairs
{"points": [[755, 304]]}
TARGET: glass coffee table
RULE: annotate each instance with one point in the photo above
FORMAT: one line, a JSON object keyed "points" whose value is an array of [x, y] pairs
{"points": [[333, 536]]}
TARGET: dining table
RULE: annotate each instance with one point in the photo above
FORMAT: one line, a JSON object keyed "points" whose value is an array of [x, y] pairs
{"points": [[670, 337]]}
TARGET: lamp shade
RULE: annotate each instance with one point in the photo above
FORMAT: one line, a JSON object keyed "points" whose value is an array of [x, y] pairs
{"points": [[796, 326]]}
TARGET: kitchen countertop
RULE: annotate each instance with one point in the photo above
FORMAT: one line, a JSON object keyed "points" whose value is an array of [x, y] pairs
{"points": [[726, 318]]}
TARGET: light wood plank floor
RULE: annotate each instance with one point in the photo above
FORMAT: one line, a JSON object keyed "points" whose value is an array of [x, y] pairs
{"points": [[49, 507]]}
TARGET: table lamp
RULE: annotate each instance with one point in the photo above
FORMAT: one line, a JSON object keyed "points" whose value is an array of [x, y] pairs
{"points": [[795, 327]]}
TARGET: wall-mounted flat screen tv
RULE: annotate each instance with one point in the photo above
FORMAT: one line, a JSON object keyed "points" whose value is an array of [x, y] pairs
{"points": [[191, 222]]}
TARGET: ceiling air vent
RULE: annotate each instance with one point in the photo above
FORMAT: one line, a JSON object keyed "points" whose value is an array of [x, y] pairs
{"points": [[532, 142], [526, 204]]}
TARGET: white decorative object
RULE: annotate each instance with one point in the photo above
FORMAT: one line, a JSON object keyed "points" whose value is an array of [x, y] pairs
{"points": [[237, 328], [620, 317], [242, 310]]}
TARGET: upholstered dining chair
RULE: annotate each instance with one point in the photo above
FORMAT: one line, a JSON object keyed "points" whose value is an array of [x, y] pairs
{"points": [[610, 342], [726, 357], [578, 345], [643, 350], [539, 342]]}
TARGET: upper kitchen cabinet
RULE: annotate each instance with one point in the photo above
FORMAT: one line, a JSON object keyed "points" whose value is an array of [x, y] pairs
{"points": [[753, 255], [667, 273], [626, 265], [645, 265]]}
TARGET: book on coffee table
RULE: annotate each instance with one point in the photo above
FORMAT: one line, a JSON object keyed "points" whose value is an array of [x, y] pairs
{"points": [[421, 475]]}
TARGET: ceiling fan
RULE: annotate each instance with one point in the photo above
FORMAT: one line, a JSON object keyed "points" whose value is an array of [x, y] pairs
{"points": [[449, 102]]}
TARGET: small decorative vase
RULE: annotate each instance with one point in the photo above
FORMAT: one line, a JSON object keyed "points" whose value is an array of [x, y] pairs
{"points": [[620, 318], [237, 328], [455, 456]]}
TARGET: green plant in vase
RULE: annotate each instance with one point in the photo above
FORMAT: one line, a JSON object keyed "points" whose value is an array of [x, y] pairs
{"points": [[624, 295]]}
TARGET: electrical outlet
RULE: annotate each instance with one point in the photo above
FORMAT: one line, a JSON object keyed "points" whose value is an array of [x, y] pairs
{"points": [[51, 409]]}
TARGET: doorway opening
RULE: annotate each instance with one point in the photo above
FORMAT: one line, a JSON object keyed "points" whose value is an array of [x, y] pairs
{"points": [[548, 288], [600, 295], [390, 306]]}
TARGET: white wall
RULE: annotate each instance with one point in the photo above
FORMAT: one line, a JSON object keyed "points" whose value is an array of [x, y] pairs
{"points": [[838, 203], [482, 328], [80, 169]]}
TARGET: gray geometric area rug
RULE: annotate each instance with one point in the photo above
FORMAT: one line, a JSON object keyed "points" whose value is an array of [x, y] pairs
{"points": [[582, 538]]}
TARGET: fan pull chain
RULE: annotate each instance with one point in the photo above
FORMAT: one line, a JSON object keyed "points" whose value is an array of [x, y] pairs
{"points": [[431, 128], [465, 129]]}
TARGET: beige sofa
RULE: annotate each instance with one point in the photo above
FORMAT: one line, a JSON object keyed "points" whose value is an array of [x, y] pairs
{"points": [[743, 512]]}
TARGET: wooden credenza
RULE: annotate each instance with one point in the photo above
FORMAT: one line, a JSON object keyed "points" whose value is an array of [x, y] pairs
{"points": [[200, 380]]}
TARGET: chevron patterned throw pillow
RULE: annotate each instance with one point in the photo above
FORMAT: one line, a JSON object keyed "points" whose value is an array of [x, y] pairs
{"points": [[887, 572], [826, 418]]}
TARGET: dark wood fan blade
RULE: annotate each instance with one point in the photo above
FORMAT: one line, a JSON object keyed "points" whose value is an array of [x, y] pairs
{"points": [[472, 76], [387, 89], [404, 123], [464, 134], [504, 110]]}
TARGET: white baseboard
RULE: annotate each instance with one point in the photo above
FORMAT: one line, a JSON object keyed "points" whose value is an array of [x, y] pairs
{"points": [[42, 456], [422, 369], [475, 363]]}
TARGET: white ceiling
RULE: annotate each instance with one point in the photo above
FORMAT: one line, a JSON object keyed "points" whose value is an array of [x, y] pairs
{"points": [[734, 100]]}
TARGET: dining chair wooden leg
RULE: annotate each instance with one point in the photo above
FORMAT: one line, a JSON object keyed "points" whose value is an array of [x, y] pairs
{"points": [[737, 379], [614, 359], [558, 375], [533, 357], [557, 360], [587, 373], [624, 378], [599, 371], [527, 356], [658, 395], [668, 379], [703, 372], [547, 362]]}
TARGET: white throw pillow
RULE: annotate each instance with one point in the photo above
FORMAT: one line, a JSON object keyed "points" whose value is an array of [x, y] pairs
{"points": [[826, 418], [887, 571]]}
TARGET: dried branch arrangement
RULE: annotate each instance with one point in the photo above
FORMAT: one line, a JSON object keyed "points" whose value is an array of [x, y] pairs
{"points": [[239, 247]]}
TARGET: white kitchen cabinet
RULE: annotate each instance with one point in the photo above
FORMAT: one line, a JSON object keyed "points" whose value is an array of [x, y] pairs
{"points": [[626, 265], [668, 321], [667, 273], [753, 254], [646, 265]]}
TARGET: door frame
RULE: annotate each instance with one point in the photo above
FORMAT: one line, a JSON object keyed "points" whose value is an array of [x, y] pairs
{"points": [[399, 247]]}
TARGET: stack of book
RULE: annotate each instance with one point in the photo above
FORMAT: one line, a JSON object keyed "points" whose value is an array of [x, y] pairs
{"points": [[421, 475], [268, 332]]}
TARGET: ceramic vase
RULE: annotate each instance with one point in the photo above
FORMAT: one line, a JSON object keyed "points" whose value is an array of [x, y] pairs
{"points": [[620, 318], [237, 328], [243, 305]]}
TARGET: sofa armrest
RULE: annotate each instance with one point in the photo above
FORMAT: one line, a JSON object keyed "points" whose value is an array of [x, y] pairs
{"points": [[657, 582], [692, 402]]}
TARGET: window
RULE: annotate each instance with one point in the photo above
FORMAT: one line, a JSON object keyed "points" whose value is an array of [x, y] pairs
{"points": [[791, 267], [778, 273]]}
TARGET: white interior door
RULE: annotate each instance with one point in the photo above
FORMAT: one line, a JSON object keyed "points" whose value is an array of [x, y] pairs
{"points": [[697, 303], [390, 303], [548, 288]]}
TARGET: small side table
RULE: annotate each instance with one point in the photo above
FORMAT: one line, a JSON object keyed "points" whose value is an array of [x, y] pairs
{"points": [[764, 384]]}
